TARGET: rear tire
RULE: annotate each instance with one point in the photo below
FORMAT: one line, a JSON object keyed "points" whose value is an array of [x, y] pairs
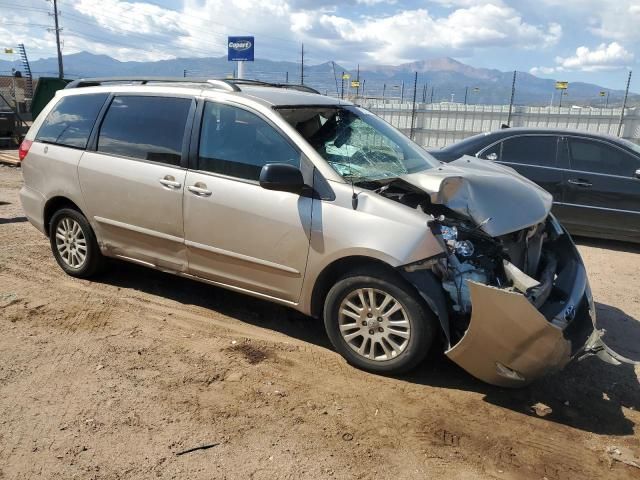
{"points": [[74, 244], [378, 322]]}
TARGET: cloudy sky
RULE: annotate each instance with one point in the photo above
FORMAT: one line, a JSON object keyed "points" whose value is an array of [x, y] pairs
{"points": [[572, 40]]}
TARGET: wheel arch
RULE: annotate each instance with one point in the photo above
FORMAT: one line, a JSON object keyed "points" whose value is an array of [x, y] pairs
{"points": [[53, 205], [337, 269]]}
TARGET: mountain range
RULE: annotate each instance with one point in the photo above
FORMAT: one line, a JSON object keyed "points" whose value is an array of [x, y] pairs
{"points": [[442, 76]]}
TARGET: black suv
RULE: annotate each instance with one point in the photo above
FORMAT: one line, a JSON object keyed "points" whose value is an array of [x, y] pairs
{"points": [[594, 179]]}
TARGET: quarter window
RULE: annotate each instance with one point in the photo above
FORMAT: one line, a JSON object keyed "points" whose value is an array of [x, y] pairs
{"points": [[590, 156], [149, 128], [238, 143], [493, 152], [71, 120], [537, 150]]}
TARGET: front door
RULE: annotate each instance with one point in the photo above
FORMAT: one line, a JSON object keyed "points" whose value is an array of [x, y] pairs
{"points": [[237, 233], [602, 192], [533, 157], [133, 180]]}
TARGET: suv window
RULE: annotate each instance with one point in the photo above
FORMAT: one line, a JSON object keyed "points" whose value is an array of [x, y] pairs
{"points": [[71, 120], [149, 128], [238, 143], [594, 156], [531, 150]]}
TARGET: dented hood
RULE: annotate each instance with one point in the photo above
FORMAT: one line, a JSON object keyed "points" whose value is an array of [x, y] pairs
{"points": [[480, 189]]}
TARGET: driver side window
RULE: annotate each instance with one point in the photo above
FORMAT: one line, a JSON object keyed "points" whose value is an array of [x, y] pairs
{"points": [[238, 143]]}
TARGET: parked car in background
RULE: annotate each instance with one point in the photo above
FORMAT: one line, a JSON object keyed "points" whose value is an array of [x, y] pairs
{"points": [[317, 204], [594, 179]]}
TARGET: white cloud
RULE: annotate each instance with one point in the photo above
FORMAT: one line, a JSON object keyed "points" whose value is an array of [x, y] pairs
{"points": [[603, 57], [400, 37], [542, 70], [611, 20]]}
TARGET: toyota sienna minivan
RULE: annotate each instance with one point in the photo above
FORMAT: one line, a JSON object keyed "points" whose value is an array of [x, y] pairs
{"points": [[317, 204]]}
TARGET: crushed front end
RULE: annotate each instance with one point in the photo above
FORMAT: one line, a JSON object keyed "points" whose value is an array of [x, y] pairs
{"points": [[510, 289], [519, 304]]}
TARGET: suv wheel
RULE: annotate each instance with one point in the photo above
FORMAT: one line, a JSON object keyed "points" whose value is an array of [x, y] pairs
{"points": [[74, 244], [378, 322]]}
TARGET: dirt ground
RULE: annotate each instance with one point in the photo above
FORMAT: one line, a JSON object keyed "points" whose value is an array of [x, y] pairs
{"points": [[114, 378]]}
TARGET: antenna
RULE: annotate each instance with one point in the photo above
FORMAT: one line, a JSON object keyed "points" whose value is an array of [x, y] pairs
{"points": [[302, 65]]}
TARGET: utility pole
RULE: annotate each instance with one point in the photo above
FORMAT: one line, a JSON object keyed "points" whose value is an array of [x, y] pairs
{"points": [[342, 85], [513, 94], [333, 64], [424, 93], [466, 92], [363, 82], [286, 77], [302, 65], [402, 92], [358, 81], [606, 102], [432, 90], [624, 102], [57, 29], [384, 89], [413, 107]]}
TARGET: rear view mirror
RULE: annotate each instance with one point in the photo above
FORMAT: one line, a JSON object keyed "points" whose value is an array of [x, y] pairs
{"points": [[282, 177], [343, 137]]}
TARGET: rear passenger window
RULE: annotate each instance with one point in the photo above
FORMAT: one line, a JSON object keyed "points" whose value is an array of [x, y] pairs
{"points": [[593, 156], [71, 120], [238, 143], [531, 150], [149, 128]]}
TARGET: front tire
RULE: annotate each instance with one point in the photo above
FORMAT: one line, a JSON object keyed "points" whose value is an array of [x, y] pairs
{"points": [[74, 244], [378, 322]]}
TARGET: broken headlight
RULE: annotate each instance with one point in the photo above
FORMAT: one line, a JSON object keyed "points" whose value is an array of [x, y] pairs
{"points": [[463, 248]]}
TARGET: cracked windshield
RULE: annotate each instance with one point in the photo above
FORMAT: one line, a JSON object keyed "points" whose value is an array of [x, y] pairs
{"points": [[358, 145]]}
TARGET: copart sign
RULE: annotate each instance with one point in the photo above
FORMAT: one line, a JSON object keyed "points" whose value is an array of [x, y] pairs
{"points": [[240, 49]]}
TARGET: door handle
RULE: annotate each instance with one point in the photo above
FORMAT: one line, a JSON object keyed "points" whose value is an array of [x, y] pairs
{"points": [[199, 189], [170, 182], [580, 183]]}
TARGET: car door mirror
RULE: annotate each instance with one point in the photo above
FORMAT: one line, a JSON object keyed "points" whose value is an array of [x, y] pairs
{"points": [[637, 174], [492, 156], [282, 177]]}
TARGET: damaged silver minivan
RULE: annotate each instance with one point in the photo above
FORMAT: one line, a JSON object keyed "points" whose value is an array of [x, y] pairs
{"points": [[317, 204]]}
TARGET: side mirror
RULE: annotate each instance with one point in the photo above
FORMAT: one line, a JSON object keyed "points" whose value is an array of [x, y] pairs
{"points": [[282, 177], [492, 156], [637, 174]]}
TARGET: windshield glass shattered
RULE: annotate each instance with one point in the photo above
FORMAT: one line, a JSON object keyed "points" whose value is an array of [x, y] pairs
{"points": [[357, 144]]}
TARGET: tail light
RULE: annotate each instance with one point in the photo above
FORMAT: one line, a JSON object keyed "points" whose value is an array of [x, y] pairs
{"points": [[24, 149]]}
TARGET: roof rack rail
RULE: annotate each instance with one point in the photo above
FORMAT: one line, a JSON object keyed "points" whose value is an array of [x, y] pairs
{"points": [[230, 85], [93, 82], [260, 83]]}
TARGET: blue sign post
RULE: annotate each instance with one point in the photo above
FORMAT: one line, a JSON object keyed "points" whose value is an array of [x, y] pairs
{"points": [[240, 49]]}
